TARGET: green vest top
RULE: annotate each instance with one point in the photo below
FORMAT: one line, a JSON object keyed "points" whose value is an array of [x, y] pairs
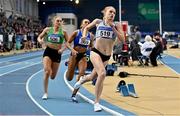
{"points": [[55, 38]]}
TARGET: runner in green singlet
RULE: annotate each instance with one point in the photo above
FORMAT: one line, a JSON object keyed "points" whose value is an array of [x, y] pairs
{"points": [[54, 38]]}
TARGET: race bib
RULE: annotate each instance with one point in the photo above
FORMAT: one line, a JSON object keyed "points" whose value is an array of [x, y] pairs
{"points": [[54, 39], [106, 33], [85, 42]]}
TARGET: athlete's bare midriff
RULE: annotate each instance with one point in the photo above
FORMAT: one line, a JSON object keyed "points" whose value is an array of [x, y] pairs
{"points": [[80, 49], [54, 45], [104, 45]]}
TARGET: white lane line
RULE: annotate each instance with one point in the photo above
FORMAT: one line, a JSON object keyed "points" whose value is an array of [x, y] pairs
{"points": [[29, 94], [71, 88], [19, 68], [25, 66], [15, 83], [91, 101], [24, 62], [13, 59]]}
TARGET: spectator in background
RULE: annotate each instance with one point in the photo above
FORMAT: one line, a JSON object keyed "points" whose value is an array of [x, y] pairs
{"points": [[1, 46], [146, 48], [134, 50], [32, 42], [165, 37], [158, 49], [137, 35], [17, 26], [117, 49], [134, 47]]}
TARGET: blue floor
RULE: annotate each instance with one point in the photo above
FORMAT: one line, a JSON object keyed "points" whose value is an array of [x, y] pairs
{"points": [[172, 62], [21, 88]]}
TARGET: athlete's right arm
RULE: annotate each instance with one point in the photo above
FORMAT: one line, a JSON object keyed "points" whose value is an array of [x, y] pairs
{"points": [[68, 43], [89, 26], [73, 35], [42, 35]]}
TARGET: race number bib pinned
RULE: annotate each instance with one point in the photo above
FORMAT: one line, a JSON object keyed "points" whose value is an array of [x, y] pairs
{"points": [[106, 34], [84, 42], [54, 38]]}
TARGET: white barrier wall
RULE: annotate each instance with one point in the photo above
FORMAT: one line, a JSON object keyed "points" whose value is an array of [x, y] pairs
{"points": [[1, 38], [10, 37]]}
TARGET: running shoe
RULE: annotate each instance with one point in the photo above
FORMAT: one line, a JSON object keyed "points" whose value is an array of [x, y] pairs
{"points": [[79, 83], [45, 96], [74, 99], [97, 107]]}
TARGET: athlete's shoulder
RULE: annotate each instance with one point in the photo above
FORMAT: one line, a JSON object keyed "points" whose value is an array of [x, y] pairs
{"points": [[97, 20], [47, 28], [76, 32]]}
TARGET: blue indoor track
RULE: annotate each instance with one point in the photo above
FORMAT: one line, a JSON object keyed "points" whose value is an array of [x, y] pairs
{"points": [[21, 89]]}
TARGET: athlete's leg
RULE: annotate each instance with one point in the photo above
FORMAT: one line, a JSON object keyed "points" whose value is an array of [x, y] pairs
{"points": [[82, 65], [55, 67], [71, 68], [90, 76], [100, 69], [47, 72]]}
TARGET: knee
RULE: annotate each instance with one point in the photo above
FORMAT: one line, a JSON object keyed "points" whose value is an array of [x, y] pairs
{"points": [[48, 72], [69, 77], [102, 74]]}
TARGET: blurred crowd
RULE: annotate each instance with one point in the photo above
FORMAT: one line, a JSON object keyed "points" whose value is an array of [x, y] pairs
{"points": [[18, 32], [144, 49]]}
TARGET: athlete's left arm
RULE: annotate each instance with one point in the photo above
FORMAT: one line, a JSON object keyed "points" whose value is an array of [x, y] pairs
{"points": [[117, 28], [66, 39]]}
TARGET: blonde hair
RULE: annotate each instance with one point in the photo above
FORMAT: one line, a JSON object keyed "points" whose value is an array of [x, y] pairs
{"points": [[54, 18], [106, 8], [51, 19]]}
